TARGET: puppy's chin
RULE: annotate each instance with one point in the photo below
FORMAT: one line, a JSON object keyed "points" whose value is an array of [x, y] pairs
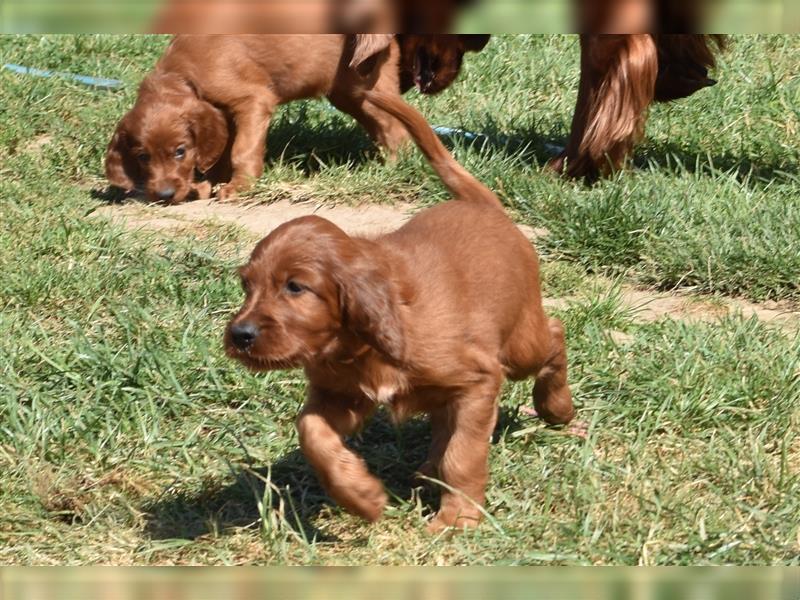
{"points": [[259, 364], [176, 199]]}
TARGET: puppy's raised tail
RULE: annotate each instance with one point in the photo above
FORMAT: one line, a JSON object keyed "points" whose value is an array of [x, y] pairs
{"points": [[458, 180]]}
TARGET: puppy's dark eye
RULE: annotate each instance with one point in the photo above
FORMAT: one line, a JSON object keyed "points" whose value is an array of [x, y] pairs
{"points": [[294, 288], [144, 157], [180, 152]]}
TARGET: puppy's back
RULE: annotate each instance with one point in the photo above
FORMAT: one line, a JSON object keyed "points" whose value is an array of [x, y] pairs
{"points": [[225, 66]]}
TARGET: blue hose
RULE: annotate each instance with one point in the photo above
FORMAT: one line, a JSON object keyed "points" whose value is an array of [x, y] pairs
{"points": [[97, 82]]}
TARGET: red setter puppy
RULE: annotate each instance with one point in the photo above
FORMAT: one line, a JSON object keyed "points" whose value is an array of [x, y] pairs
{"points": [[429, 318], [621, 75], [204, 111]]}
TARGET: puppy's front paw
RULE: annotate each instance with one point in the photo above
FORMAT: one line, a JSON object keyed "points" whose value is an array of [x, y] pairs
{"points": [[364, 497], [371, 500], [226, 192], [439, 523], [202, 189]]}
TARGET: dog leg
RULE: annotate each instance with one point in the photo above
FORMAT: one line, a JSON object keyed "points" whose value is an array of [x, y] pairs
{"points": [[384, 129], [322, 424], [464, 466], [247, 155], [202, 189], [440, 436], [617, 84], [551, 396], [348, 97]]}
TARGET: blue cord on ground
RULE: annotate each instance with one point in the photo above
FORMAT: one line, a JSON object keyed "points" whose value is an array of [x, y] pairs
{"points": [[97, 82]]}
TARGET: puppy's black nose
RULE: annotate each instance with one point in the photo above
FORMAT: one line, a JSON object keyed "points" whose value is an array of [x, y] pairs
{"points": [[166, 193], [243, 334]]}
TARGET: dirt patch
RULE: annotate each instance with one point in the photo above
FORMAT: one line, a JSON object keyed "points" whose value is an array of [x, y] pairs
{"points": [[70, 497], [652, 307], [259, 218], [37, 143], [648, 306]]}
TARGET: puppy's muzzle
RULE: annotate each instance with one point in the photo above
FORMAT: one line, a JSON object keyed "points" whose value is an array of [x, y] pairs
{"points": [[166, 194], [243, 335]]}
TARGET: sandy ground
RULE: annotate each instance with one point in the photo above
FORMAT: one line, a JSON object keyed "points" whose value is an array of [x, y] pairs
{"points": [[259, 219], [648, 306]]}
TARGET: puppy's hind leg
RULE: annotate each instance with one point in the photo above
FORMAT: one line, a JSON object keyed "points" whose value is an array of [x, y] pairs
{"points": [[348, 96], [551, 395], [384, 129], [537, 348], [464, 464]]}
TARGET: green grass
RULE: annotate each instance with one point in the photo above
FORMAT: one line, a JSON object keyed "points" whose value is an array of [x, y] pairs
{"points": [[126, 436]]}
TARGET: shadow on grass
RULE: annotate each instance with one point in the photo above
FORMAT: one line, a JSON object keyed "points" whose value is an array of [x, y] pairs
{"points": [[536, 147], [113, 195], [339, 139], [531, 144], [392, 454], [672, 158], [312, 145]]}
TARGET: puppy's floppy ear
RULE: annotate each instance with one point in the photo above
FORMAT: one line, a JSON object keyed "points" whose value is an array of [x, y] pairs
{"points": [[474, 42], [370, 308], [365, 47], [122, 168], [210, 131]]}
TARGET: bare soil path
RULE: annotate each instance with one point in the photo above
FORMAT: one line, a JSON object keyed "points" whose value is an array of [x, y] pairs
{"points": [[259, 219]]}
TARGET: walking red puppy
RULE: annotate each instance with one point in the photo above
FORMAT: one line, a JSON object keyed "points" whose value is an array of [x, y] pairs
{"points": [[429, 318]]}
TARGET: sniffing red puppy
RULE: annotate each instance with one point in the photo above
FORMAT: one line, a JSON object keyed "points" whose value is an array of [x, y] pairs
{"points": [[202, 116]]}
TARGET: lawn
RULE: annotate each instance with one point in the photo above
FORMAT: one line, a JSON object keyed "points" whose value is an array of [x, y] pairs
{"points": [[127, 437]]}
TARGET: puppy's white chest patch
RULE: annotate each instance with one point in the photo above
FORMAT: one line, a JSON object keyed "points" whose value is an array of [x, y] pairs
{"points": [[382, 395]]}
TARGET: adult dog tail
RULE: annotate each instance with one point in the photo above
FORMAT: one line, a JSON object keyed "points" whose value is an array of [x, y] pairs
{"points": [[458, 180]]}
